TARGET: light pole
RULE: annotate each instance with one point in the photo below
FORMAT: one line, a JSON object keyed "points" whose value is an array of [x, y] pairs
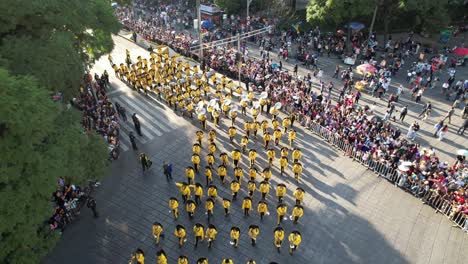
{"points": [[200, 38], [347, 5], [248, 5]]}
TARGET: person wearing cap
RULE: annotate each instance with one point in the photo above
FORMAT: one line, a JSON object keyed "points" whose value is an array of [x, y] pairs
{"points": [[190, 173], [238, 173], [264, 126], [275, 124], [264, 188], [208, 175], [253, 233], [235, 155], [281, 211], [244, 142], [224, 159], [252, 173], [247, 128], [266, 139], [190, 207], [212, 136], [266, 174], [227, 261], [235, 187], [262, 208], [226, 206], [182, 260], [277, 136], [284, 152], [196, 162], [299, 195], [184, 190], [283, 164], [174, 205], [296, 155], [199, 231], [198, 191], [235, 234], [199, 135], [161, 257], [212, 192], [255, 126], [211, 235], [286, 122], [294, 241], [291, 136], [246, 205], [252, 157], [139, 256], [278, 237], [251, 186], [297, 169], [196, 148], [232, 133], [181, 235], [222, 172], [271, 154], [251, 261], [280, 192], [210, 159], [157, 231], [202, 261], [209, 207], [297, 213]]}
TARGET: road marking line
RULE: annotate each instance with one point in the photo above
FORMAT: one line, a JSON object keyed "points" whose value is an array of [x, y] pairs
{"points": [[147, 126]]}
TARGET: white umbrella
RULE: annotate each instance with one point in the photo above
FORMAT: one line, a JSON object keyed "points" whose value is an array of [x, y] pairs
{"points": [[406, 163], [403, 168], [462, 152]]}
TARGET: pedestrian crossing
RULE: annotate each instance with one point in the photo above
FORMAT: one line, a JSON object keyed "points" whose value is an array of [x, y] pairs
{"points": [[154, 121]]}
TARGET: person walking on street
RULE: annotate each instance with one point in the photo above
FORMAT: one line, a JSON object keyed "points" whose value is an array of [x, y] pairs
{"points": [[235, 234], [181, 235], [281, 211], [132, 140], [426, 110], [278, 237], [136, 123], [123, 113], [91, 204], [157, 232], [167, 168], [294, 241], [199, 231], [403, 113], [174, 206], [211, 235], [438, 127], [183, 260], [145, 162], [463, 127], [262, 209], [226, 206], [253, 233], [449, 115]]}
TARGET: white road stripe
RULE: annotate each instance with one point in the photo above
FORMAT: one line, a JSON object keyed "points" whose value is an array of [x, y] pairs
{"points": [[147, 126], [154, 119], [180, 119], [142, 112], [124, 134]]}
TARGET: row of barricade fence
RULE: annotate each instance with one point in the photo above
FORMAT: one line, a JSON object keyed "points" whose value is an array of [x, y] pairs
{"points": [[385, 170]]}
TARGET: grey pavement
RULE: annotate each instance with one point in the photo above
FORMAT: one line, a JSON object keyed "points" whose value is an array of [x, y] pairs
{"points": [[351, 215]]}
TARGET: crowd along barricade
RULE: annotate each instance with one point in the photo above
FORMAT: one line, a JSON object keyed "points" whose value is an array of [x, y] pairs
{"points": [[386, 171]]}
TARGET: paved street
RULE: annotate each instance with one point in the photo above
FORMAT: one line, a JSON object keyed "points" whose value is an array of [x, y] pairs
{"points": [[351, 215]]}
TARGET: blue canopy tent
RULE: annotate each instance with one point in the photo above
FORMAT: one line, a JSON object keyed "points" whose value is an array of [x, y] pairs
{"points": [[356, 26], [207, 24]]}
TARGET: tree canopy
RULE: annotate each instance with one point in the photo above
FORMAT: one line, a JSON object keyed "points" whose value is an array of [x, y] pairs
{"points": [[45, 46], [55, 40], [430, 16]]}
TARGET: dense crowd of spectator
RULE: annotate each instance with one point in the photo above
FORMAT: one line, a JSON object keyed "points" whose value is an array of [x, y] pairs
{"points": [[372, 138], [99, 115]]}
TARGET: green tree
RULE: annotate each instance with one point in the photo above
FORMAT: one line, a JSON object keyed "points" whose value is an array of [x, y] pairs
{"points": [[230, 6], [56, 40], [39, 141]]}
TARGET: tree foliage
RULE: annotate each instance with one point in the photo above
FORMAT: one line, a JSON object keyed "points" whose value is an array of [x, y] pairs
{"points": [[230, 6], [45, 46], [430, 15], [55, 40]]}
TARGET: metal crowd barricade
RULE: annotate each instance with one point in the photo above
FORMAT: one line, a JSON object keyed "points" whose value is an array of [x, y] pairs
{"points": [[384, 170]]}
